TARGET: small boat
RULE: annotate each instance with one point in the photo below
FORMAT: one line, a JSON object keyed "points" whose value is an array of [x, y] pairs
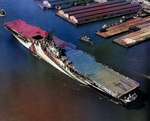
{"points": [[86, 39], [45, 5], [130, 97], [2, 12]]}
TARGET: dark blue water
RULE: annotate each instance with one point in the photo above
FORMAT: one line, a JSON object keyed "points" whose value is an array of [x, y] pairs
{"points": [[32, 90]]}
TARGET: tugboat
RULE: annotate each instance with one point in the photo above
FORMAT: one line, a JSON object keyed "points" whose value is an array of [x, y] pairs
{"points": [[86, 39], [2, 12], [130, 97]]}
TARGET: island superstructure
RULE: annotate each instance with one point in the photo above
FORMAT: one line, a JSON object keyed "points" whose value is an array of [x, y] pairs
{"points": [[73, 62]]}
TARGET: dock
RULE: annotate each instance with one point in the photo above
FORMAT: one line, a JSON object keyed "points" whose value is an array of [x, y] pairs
{"points": [[118, 28], [98, 11]]}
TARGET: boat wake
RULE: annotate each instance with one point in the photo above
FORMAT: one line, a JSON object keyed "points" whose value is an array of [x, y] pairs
{"points": [[114, 101], [109, 100]]}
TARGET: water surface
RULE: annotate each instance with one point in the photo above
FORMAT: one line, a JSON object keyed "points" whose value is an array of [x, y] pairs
{"points": [[32, 90]]}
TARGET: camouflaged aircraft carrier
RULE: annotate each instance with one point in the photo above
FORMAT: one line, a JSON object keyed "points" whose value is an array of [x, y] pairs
{"points": [[73, 62]]}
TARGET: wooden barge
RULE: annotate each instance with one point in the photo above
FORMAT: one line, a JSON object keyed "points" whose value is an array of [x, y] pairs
{"points": [[135, 37], [139, 27], [98, 11], [117, 28]]}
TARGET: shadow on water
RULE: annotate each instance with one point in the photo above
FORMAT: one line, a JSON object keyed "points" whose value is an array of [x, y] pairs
{"points": [[132, 72]]}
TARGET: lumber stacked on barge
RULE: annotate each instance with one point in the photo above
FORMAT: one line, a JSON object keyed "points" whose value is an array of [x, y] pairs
{"points": [[135, 37], [98, 11], [117, 28]]}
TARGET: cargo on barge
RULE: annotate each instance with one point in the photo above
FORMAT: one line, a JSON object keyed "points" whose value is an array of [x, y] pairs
{"points": [[142, 34], [122, 26], [73, 62], [97, 11], [137, 24]]}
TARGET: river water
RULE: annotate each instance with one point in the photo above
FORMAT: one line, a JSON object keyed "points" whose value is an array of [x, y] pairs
{"points": [[32, 90]]}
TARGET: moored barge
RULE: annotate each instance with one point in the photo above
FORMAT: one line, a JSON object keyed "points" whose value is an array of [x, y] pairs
{"points": [[137, 24], [125, 24], [73, 62], [142, 34]]}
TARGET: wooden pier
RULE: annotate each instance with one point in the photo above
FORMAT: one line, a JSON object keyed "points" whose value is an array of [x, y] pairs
{"points": [[98, 11], [118, 28]]}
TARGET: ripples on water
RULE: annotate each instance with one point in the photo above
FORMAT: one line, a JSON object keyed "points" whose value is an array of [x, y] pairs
{"points": [[32, 90]]}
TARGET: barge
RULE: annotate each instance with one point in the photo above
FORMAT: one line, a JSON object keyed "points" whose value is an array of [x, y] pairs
{"points": [[141, 34], [73, 62], [98, 11], [124, 24], [137, 24]]}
